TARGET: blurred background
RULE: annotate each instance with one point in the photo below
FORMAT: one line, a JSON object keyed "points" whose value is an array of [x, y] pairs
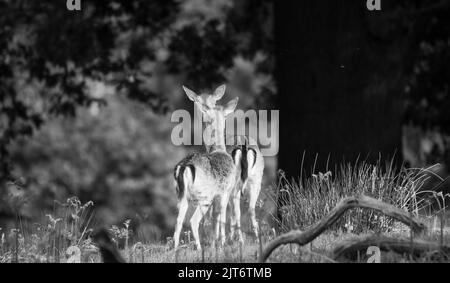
{"points": [[86, 96]]}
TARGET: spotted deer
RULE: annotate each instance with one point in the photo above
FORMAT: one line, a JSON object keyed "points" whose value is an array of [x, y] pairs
{"points": [[246, 152], [204, 178]]}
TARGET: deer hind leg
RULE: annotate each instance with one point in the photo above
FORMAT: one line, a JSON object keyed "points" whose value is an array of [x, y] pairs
{"points": [[232, 221], [253, 190], [199, 212], [182, 208], [235, 227], [232, 217], [216, 218]]}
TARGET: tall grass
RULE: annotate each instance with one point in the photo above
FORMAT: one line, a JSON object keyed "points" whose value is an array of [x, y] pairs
{"points": [[49, 240], [64, 235], [307, 200]]}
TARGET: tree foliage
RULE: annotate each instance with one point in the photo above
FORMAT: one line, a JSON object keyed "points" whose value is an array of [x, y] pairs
{"points": [[428, 88], [117, 42], [51, 60]]}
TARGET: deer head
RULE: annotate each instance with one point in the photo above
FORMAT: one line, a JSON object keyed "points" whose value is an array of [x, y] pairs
{"points": [[213, 115]]}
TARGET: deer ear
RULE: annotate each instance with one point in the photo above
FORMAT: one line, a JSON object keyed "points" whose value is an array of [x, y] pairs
{"points": [[219, 92], [192, 95], [231, 105]]}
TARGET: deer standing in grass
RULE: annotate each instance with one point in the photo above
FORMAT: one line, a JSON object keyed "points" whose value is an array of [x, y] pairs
{"points": [[248, 157], [204, 178]]}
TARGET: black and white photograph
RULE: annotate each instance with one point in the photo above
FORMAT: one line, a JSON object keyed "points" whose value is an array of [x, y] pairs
{"points": [[231, 133]]}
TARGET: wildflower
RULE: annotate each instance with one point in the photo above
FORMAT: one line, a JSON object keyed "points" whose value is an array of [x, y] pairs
{"points": [[74, 202], [127, 223], [349, 227], [281, 174], [53, 221], [274, 233], [75, 217]]}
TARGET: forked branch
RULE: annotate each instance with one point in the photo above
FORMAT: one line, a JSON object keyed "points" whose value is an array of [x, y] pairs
{"points": [[304, 237]]}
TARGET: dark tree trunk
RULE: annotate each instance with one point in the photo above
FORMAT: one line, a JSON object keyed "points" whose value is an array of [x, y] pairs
{"points": [[339, 78]]}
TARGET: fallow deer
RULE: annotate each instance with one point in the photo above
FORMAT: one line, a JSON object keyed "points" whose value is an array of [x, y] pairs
{"points": [[251, 163], [202, 178]]}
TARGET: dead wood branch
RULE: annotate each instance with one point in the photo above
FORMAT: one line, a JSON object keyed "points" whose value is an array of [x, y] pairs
{"points": [[301, 238], [416, 248]]}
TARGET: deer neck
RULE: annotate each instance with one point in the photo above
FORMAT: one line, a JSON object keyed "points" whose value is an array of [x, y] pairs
{"points": [[217, 137]]}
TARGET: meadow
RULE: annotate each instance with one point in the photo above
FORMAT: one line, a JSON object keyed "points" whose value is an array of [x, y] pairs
{"points": [[64, 234]]}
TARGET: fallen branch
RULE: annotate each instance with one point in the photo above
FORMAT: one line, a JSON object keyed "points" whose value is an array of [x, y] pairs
{"points": [[397, 245], [324, 257], [302, 238]]}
